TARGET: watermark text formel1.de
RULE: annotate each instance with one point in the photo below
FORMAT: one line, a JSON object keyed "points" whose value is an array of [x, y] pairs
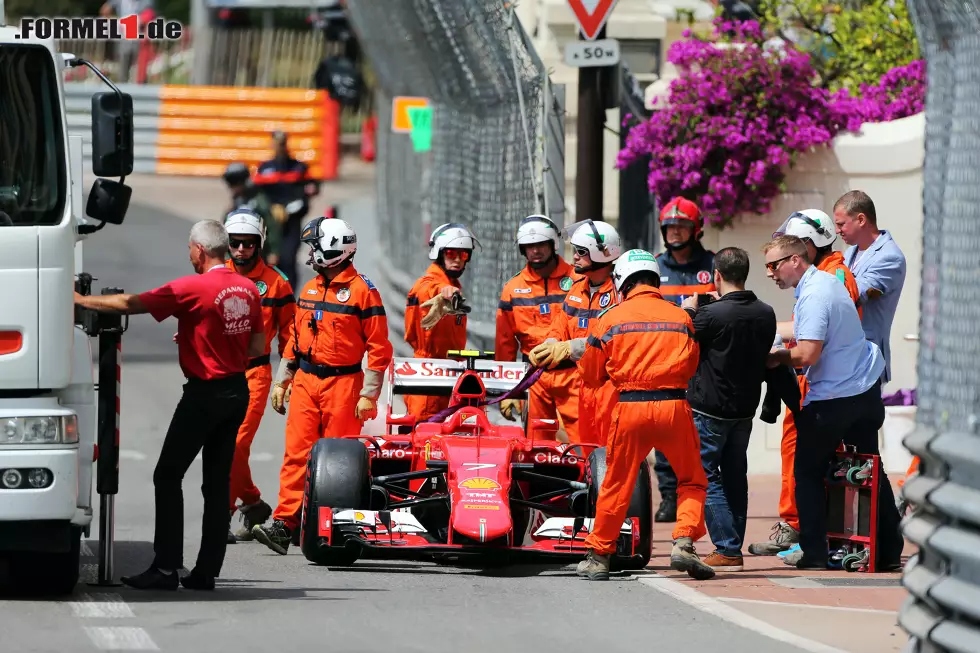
{"points": [[100, 29]]}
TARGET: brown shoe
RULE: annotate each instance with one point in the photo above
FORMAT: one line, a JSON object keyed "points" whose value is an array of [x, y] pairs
{"points": [[719, 562]]}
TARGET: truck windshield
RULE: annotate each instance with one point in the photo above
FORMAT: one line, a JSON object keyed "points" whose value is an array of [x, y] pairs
{"points": [[33, 178]]}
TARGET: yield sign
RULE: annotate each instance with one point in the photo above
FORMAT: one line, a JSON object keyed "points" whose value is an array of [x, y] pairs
{"points": [[591, 15]]}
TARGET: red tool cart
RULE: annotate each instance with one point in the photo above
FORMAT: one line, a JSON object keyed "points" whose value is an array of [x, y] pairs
{"points": [[852, 510]]}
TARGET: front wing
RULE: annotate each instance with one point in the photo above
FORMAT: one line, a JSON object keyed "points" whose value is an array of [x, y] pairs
{"points": [[397, 534]]}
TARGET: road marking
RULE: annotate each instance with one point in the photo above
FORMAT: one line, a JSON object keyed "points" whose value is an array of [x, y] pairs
{"points": [[101, 606], [262, 457], [121, 639], [797, 583], [85, 551], [780, 604], [129, 454], [713, 606]]}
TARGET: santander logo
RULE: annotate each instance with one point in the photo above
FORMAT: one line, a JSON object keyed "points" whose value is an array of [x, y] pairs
{"points": [[406, 369]]}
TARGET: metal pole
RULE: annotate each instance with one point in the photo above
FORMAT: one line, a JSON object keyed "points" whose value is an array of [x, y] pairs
{"points": [[107, 480], [201, 33], [589, 164]]}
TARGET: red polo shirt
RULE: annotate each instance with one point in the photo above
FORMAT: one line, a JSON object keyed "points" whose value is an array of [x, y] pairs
{"points": [[217, 312]]}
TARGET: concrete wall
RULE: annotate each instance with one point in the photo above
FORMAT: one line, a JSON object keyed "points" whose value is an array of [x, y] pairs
{"points": [[884, 160]]}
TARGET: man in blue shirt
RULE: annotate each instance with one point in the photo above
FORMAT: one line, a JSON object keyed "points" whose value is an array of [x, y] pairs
{"points": [[843, 402], [878, 266]]}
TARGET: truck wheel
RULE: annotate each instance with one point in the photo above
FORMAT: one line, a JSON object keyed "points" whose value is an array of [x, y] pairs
{"points": [[337, 476], [51, 574], [641, 506]]}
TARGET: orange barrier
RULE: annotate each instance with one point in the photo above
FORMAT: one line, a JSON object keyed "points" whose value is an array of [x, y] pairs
{"points": [[204, 128]]}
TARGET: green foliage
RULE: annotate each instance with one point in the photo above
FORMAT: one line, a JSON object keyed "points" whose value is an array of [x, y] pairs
{"points": [[850, 42]]}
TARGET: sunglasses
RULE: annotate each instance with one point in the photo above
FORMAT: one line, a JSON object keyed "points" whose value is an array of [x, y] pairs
{"points": [[235, 243], [457, 254], [581, 251], [772, 265]]}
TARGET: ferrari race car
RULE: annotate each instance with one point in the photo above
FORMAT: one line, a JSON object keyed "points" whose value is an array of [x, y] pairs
{"points": [[459, 485]]}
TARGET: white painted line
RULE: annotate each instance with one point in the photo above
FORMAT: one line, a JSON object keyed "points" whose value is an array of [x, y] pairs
{"points": [[713, 606], [780, 604], [129, 454], [121, 639], [85, 550], [262, 457], [101, 606]]}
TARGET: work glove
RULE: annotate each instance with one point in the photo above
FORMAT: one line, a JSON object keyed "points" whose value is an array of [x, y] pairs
{"points": [[366, 409], [279, 213], [447, 302], [280, 397], [550, 354], [510, 406]]}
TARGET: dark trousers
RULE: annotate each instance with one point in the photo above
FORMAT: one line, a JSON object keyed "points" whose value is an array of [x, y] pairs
{"points": [[724, 443], [289, 251], [206, 421], [821, 426]]}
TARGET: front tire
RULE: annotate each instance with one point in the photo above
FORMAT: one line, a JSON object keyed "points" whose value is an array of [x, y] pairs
{"points": [[641, 506], [338, 475]]}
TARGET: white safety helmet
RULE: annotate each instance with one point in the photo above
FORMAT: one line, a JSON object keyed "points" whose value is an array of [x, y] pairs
{"points": [[631, 262], [538, 229], [599, 238], [812, 224], [332, 241], [451, 235], [245, 222]]}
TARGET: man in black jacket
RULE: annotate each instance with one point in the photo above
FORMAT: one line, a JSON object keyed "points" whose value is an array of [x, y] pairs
{"points": [[735, 333]]}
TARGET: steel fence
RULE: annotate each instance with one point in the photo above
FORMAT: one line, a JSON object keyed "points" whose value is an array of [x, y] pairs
{"points": [[489, 92], [942, 612]]}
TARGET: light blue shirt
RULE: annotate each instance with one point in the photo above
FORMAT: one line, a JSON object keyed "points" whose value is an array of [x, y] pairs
{"points": [[881, 266], [849, 364]]}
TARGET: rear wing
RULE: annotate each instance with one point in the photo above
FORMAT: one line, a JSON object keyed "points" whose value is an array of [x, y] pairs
{"points": [[437, 376]]}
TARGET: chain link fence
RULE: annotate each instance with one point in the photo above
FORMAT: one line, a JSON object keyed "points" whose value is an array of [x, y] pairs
{"points": [[486, 167], [942, 612]]}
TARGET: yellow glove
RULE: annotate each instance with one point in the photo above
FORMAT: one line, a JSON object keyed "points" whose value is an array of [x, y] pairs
{"points": [[549, 354], [509, 406], [366, 409], [280, 397], [279, 213]]}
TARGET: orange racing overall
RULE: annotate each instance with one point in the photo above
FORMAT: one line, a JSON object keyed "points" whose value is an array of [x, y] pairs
{"points": [[646, 347], [524, 315], [336, 323]]}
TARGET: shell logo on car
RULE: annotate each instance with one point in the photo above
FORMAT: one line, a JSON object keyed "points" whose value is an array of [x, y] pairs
{"points": [[480, 483]]}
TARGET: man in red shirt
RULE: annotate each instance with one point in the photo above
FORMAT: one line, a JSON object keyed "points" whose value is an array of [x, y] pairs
{"points": [[219, 328]]}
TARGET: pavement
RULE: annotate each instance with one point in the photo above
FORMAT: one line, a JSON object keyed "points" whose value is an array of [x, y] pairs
{"points": [[265, 601]]}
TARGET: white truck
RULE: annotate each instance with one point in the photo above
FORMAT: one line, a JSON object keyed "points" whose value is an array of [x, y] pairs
{"points": [[48, 403]]}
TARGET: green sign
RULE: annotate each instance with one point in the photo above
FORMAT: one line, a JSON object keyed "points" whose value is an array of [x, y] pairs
{"points": [[421, 119], [640, 255]]}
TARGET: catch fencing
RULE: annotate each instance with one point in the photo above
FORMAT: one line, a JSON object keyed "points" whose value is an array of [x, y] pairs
{"points": [[943, 612], [497, 149]]}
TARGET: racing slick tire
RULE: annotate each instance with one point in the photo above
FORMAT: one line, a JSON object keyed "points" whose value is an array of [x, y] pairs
{"points": [[338, 475], [641, 506]]}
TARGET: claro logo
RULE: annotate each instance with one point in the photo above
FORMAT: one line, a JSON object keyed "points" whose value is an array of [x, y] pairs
{"points": [[429, 370]]}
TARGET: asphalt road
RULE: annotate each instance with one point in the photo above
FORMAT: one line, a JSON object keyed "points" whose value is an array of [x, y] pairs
{"points": [[269, 602]]}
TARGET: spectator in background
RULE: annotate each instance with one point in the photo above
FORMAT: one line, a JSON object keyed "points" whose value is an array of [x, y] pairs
{"points": [[878, 265], [735, 334], [127, 51], [288, 185], [842, 403]]}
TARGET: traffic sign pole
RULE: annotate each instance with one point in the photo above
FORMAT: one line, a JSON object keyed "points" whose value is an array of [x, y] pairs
{"points": [[591, 122]]}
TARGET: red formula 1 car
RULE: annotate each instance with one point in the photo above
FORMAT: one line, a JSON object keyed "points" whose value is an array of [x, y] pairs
{"points": [[461, 486]]}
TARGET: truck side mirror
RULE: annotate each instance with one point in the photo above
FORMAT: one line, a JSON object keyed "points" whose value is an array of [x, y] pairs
{"points": [[112, 136], [108, 201]]}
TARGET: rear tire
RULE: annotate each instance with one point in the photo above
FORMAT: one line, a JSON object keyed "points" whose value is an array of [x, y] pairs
{"points": [[338, 475], [641, 506]]}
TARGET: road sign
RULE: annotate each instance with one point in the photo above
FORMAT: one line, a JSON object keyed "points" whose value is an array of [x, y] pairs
{"points": [[401, 123], [591, 15], [592, 54]]}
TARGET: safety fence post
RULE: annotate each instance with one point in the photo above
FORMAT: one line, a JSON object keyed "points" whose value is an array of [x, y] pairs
{"points": [[111, 328]]}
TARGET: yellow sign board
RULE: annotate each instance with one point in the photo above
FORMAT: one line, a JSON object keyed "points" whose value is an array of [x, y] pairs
{"points": [[400, 121]]}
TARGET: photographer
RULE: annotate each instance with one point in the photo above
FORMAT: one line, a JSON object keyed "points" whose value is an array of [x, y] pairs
{"points": [[735, 333]]}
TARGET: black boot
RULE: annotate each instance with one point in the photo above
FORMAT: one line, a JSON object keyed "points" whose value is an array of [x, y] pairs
{"points": [[668, 509]]}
